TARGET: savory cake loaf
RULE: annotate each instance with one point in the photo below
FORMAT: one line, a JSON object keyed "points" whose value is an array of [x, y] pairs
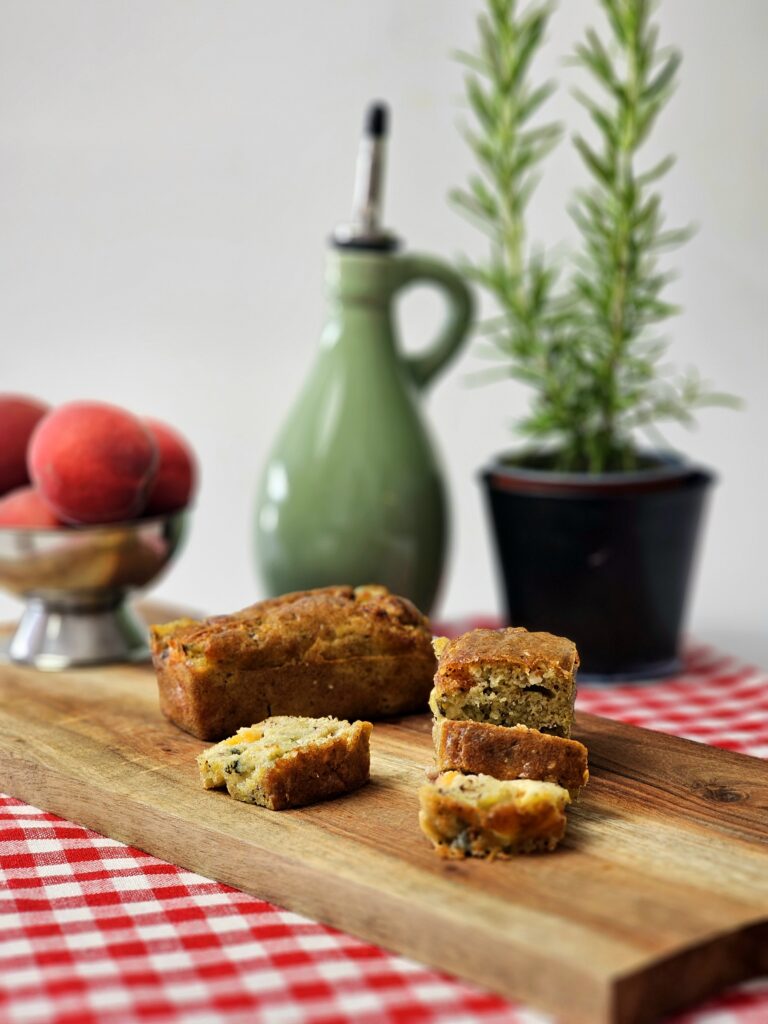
{"points": [[478, 816], [507, 677], [349, 652], [516, 752], [288, 762]]}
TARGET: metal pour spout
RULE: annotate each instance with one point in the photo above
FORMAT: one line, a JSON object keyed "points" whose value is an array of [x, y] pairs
{"points": [[365, 231]]}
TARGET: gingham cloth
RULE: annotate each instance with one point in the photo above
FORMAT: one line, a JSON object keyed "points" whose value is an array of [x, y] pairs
{"points": [[95, 931]]}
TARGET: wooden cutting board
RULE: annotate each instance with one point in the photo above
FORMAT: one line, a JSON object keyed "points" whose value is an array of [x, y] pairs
{"points": [[658, 896]]}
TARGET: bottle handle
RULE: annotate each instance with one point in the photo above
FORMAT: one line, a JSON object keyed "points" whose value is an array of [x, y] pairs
{"points": [[413, 269]]}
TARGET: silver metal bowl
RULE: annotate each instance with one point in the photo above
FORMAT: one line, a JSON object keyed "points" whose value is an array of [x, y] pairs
{"points": [[75, 582]]}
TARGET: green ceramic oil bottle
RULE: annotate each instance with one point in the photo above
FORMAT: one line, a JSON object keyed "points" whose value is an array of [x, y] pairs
{"points": [[352, 491]]}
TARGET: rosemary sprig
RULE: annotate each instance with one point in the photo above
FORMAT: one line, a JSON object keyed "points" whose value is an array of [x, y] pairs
{"points": [[509, 149], [618, 284], [587, 347]]}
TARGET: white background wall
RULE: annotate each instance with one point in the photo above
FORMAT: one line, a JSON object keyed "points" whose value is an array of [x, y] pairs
{"points": [[170, 169]]}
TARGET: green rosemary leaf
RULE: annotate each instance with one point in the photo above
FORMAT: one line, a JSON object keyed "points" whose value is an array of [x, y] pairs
{"points": [[535, 99], [481, 104], [600, 168], [469, 60], [617, 23], [490, 325], [467, 206], [656, 172], [658, 86], [593, 56], [600, 116], [647, 212], [672, 239]]}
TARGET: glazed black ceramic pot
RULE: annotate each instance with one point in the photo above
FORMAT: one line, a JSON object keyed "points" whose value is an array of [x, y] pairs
{"points": [[605, 559]]}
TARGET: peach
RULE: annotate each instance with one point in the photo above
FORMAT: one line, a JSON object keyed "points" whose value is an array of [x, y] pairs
{"points": [[92, 462], [176, 475], [19, 415], [25, 507]]}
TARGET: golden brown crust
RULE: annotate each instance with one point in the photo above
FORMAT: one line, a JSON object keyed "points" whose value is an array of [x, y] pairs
{"points": [[328, 771], [513, 648], [348, 652], [310, 626], [509, 753]]}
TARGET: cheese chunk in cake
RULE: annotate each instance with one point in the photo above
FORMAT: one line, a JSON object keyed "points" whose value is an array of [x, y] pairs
{"points": [[479, 816], [287, 761], [507, 677]]}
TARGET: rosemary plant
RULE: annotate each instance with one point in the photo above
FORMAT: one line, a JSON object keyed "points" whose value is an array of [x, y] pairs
{"points": [[587, 345]]}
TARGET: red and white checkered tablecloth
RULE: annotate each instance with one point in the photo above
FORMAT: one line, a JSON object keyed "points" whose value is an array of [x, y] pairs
{"points": [[95, 931]]}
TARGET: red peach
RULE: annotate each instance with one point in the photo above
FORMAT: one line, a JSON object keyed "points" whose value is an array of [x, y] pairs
{"points": [[19, 415], [92, 462], [176, 476], [25, 507]]}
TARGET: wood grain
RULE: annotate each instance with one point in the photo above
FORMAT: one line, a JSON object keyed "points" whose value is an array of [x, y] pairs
{"points": [[658, 896]]}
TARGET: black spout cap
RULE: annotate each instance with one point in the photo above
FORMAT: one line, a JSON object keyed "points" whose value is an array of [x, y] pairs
{"points": [[377, 120]]}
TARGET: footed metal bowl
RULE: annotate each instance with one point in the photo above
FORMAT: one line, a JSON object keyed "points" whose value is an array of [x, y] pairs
{"points": [[75, 582]]}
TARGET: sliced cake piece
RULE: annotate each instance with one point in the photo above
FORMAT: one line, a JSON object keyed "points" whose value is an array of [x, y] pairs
{"points": [[287, 761], [515, 752], [478, 816], [507, 677]]}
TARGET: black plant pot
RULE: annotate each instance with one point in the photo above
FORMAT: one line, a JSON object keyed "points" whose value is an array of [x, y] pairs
{"points": [[604, 559]]}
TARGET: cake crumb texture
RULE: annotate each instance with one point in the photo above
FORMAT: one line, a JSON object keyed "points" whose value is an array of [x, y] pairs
{"points": [[287, 761], [479, 816], [507, 677]]}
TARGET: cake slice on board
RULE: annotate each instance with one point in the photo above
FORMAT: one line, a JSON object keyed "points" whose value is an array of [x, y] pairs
{"points": [[515, 752], [507, 677], [480, 816], [289, 761]]}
